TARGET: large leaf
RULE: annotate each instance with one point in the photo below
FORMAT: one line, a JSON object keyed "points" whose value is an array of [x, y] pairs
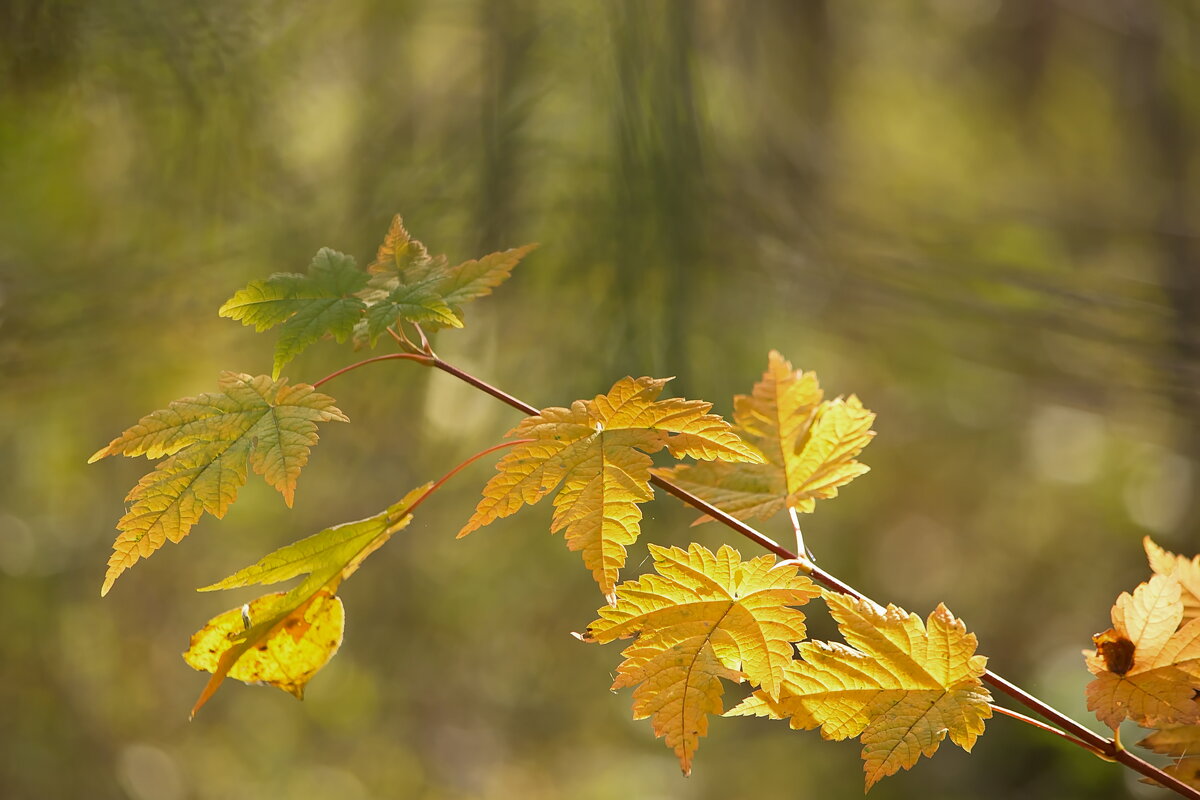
{"points": [[308, 307], [208, 440], [810, 446], [1146, 666], [598, 450], [703, 617], [410, 285], [902, 685], [283, 639]]}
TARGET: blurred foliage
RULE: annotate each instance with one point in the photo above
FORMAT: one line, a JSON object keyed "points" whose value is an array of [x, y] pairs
{"points": [[978, 215]]}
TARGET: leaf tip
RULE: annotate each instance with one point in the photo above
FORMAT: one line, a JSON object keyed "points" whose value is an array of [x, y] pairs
{"points": [[101, 453]]}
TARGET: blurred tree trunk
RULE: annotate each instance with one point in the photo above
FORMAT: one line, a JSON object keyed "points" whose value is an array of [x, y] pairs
{"points": [[1165, 138], [509, 28], [659, 194]]}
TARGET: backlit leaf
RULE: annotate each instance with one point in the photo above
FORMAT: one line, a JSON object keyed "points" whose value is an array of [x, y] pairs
{"points": [[208, 440], [308, 307], [703, 617], [901, 685], [1155, 686], [1183, 743], [810, 446], [597, 449], [410, 285], [284, 638], [1185, 570]]}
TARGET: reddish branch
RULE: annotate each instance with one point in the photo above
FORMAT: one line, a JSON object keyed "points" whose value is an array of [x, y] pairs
{"points": [[1070, 729]]}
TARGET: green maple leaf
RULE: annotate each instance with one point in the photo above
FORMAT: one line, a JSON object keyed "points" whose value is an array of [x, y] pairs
{"points": [[307, 307], [410, 285], [209, 439]]}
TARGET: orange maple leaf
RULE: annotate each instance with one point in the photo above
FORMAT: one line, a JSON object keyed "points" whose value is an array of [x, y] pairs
{"points": [[810, 445], [1146, 666], [702, 618], [597, 449]]}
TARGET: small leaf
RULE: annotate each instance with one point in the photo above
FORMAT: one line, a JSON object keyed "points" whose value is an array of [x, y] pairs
{"points": [[309, 307], [1146, 665], [597, 449], [901, 685], [810, 447], [1183, 569], [292, 634], [703, 617], [208, 440], [409, 285]]}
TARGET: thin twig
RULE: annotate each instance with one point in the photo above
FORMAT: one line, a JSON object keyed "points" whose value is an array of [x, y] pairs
{"points": [[1048, 728], [390, 356], [1083, 736]]}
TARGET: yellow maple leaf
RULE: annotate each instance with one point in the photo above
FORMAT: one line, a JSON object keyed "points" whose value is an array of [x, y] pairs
{"points": [[208, 440], [1146, 666], [902, 685], [701, 618], [597, 449], [810, 445], [1185, 570], [284, 638]]}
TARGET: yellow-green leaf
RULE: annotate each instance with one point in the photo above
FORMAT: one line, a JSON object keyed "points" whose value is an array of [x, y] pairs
{"points": [[308, 307], [291, 634], [902, 685], [810, 446], [208, 440], [285, 656], [702, 617], [598, 450]]}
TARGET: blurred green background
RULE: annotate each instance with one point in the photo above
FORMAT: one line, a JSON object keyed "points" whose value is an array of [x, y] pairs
{"points": [[981, 216]]}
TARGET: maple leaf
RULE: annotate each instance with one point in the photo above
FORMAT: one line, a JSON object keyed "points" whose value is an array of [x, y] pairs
{"points": [[810, 446], [1184, 570], [598, 449], [1146, 666], [702, 618], [410, 285], [284, 638], [307, 307], [1183, 743], [208, 440], [900, 684]]}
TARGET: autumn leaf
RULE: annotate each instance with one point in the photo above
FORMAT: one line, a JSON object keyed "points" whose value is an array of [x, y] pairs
{"points": [[1183, 743], [810, 446], [1146, 666], [208, 440], [701, 618], [410, 285], [307, 307], [284, 638], [1184, 570], [598, 450], [901, 685]]}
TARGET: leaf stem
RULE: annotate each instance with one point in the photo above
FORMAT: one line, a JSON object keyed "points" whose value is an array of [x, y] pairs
{"points": [[1086, 738], [461, 466], [409, 356], [1048, 728]]}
